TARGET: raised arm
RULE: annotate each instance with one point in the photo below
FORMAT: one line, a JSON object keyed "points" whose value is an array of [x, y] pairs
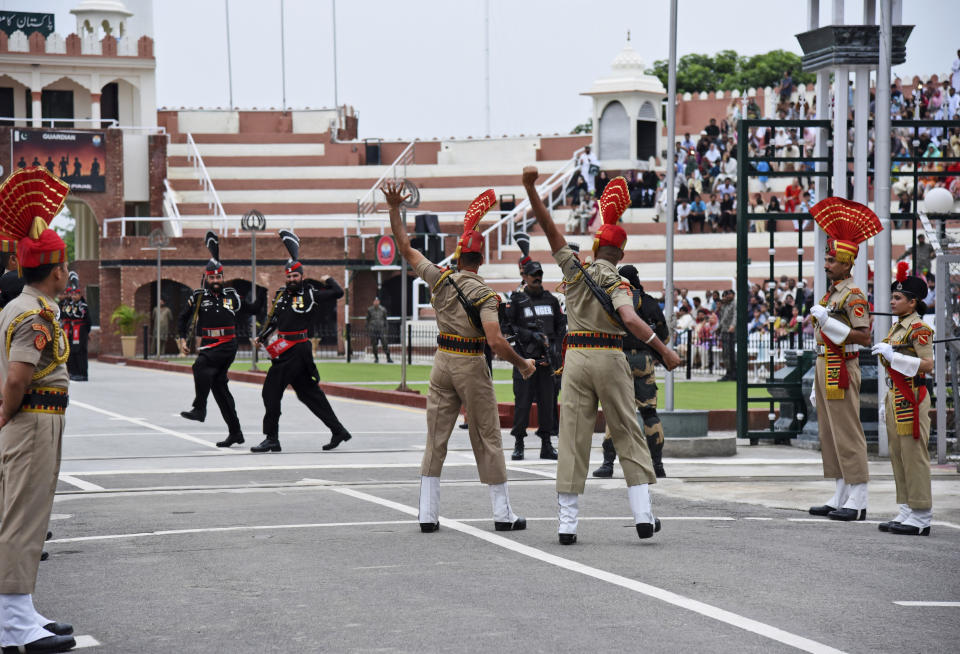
{"points": [[393, 192], [554, 235]]}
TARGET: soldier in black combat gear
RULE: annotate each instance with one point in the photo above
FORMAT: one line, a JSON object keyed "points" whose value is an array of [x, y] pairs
{"points": [[285, 337], [641, 361], [535, 322], [11, 284], [77, 315], [212, 313]]}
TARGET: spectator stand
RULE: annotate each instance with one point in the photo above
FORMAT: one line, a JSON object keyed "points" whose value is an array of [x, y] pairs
{"points": [[784, 375]]}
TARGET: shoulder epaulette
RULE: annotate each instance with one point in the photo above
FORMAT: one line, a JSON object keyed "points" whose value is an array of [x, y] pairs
{"points": [[920, 331]]}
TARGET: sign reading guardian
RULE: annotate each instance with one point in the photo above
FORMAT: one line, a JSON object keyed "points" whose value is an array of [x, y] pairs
{"points": [[77, 158]]}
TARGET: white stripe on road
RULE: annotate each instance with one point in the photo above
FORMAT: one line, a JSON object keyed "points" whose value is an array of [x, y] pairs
{"points": [[85, 641], [210, 530], [79, 483], [140, 422], [707, 610], [952, 604], [251, 468]]}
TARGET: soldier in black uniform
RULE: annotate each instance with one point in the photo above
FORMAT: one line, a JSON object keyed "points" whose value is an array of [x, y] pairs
{"points": [[535, 321], [285, 336], [78, 314], [641, 360], [212, 310], [11, 284]]}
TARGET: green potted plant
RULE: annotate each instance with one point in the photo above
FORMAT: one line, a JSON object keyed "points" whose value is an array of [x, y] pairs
{"points": [[127, 319]]}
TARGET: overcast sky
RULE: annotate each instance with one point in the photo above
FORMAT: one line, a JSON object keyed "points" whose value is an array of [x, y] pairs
{"points": [[417, 67]]}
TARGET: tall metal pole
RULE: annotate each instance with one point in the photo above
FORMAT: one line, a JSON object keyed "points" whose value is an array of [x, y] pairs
{"points": [[253, 300], [671, 172], [486, 60], [881, 185], [283, 62], [404, 345], [159, 294], [336, 100], [226, 4], [861, 96], [821, 184]]}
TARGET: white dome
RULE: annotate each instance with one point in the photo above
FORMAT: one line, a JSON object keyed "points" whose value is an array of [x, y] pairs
{"points": [[629, 59], [627, 75]]}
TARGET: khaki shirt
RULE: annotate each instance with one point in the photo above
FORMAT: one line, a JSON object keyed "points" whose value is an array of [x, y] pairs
{"points": [[584, 311], [846, 303], [32, 339], [451, 316], [912, 331]]}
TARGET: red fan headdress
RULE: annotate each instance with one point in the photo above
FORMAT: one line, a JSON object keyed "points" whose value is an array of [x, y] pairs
{"points": [[472, 240], [29, 199], [847, 224], [613, 202]]}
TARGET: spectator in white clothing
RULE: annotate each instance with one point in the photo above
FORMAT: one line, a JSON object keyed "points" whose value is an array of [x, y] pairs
{"points": [[589, 168]]}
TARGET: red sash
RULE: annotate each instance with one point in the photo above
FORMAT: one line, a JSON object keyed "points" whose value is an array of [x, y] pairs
{"points": [[905, 391], [838, 379]]}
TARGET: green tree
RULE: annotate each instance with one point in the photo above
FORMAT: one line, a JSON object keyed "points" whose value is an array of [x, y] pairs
{"points": [[727, 71], [583, 128]]}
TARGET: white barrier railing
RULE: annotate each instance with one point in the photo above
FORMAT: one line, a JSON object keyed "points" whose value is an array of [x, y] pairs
{"points": [[200, 170]]}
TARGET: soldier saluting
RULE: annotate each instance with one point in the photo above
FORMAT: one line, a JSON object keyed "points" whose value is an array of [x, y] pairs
{"points": [[842, 325], [212, 312], [599, 311], [467, 317], [285, 336], [34, 402]]}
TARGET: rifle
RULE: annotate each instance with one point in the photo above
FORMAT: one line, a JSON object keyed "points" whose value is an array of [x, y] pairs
{"points": [[607, 305], [473, 314]]}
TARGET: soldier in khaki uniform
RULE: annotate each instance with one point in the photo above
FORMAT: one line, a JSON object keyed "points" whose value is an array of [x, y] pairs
{"points": [[34, 398], [907, 353], [842, 325], [467, 317], [595, 367]]}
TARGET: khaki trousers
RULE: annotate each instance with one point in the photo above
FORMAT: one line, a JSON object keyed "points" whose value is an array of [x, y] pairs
{"points": [[30, 447], [911, 459], [591, 376], [457, 380], [843, 446]]}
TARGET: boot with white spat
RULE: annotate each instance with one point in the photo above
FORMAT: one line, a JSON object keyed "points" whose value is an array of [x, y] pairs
{"points": [[835, 502], [639, 497], [429, 514], [504, 519], [854, 507], [567, 514], [903, 512]]}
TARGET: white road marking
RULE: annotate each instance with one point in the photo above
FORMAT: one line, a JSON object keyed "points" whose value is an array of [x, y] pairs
{"points": [[210, 530], [951, 604], [61, 516], [79, 483], [85, 641], [707, 610], [323, 466], [140, 422]]}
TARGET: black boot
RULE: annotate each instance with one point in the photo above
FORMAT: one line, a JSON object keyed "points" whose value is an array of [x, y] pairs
{"points": [[235, 437], [517, 449], [194, 414], [268, 445], [656, 454], [336, 439], [547, 451], [609, 454]]}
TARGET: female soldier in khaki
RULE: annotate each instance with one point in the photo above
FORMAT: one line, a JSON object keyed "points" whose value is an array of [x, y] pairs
{"points": [[907, 353]]}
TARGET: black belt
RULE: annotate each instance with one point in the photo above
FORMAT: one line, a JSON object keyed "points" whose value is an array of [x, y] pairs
{"points": [[460, 344], [598, 340], [45, 400], [217, 332]]}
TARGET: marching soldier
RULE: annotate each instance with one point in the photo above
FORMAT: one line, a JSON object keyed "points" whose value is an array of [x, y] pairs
{"points": [[285, 336], [212, 310], [641, 360], [536, 321], [842, 325], [599, 311], [907, 353], [78, 315], [34, 401], [467, 317]]}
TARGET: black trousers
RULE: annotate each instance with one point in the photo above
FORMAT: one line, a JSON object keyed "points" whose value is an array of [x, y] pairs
{"points": [[730, 353], [210, 376], [539, 388], [77, 361], [296, 368]]}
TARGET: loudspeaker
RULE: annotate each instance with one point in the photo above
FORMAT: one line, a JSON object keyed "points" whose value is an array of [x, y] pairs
{"points": [[427, 239]]}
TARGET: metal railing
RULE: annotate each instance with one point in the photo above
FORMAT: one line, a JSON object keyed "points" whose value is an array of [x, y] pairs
{"points": [[200, 170], [170, 210], [367, 204], [181, 222]]}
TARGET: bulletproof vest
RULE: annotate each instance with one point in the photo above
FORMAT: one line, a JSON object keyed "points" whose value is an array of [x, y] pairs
{"points": [[535, 313], [650, 312]]}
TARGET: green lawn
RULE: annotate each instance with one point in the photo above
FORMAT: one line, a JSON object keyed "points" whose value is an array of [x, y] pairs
{"points": [[687, 394]]}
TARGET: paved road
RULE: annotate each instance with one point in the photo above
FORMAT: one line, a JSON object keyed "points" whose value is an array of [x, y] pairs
{"points": [[162, 542]]}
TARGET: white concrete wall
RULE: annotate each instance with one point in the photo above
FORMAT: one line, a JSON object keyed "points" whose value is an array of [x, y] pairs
{"points": [[209, 122], [136, 168], [313, 122], [519, 150]]}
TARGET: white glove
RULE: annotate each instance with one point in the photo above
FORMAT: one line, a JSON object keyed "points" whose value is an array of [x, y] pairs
{"points": [[813, 395], [905, 364], [820, 313], [835, 330], [884, 349]]}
